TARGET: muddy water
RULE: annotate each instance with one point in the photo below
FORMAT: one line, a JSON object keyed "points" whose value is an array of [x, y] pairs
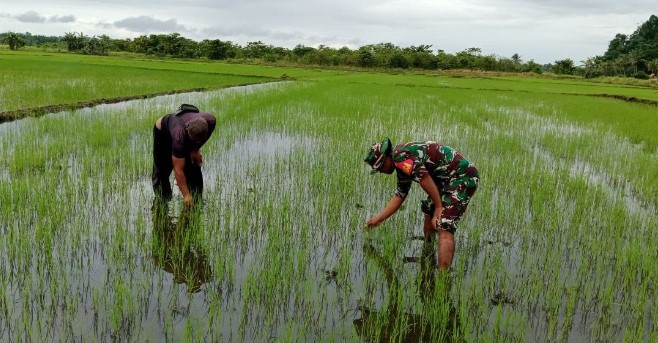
{"points": [[215, 271], [174, 264], [176, 278]]}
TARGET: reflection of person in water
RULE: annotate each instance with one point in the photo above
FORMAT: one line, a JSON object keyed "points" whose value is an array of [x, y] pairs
{"points": [[396, 325], [174, 248]]}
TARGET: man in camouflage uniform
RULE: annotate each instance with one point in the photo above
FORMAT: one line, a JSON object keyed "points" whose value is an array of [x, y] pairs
{"points": [[448, 178]]}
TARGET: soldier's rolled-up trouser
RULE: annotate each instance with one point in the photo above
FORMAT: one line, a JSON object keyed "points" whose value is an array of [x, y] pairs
{"points": [[455, 196], [163, 165]]}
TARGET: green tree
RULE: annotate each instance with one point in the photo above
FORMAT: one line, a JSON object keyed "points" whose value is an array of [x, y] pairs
{"points": [[635, 59], [383, 52], [466, 59], [301, 51], [532, 66], [504, 64], [345, 56], [121, 44], [171, 44], [97, 45], [444, 60], [323, 55], [591, 67], [14, 40], [421, 57], [617, 47], [398, 60], [366, 57], [565, 66], [140, 44], [516, 58], [487, 63], [631, 53], [256, 49], [620, 65], [653, 66], [74, 41], [645, 40], [276, 53], [218, 50], [188, 48]]}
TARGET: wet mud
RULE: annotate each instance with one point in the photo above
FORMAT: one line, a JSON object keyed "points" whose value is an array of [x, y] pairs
{"points": [[392, 323], [43, 110], [628, 99]]}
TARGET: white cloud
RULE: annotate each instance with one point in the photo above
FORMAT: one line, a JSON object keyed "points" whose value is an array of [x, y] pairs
{"points": [[30, 17], [62, 19], [543, 30], [149, 24]]}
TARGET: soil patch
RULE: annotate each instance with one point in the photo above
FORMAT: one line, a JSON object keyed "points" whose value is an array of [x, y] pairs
{"points": [[42, 110], [628, 98]]}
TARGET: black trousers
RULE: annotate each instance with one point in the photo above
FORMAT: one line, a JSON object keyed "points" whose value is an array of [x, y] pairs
{"points": [[163, 165]]}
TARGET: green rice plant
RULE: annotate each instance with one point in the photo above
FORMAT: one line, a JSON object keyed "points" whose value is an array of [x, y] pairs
{"points": [[556, 244], [31, 80]]}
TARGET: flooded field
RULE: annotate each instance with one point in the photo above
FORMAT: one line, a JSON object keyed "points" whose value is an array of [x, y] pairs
{"points": [[558, 244]]}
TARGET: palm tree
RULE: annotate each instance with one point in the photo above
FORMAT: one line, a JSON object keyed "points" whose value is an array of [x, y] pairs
{"points": [[14, 40], [634, 58], [621, 64], [71, 41], [591, 66], [653, 66]]}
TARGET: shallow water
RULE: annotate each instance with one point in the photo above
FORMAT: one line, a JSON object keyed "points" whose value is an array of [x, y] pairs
{"points": [[276, 249]]}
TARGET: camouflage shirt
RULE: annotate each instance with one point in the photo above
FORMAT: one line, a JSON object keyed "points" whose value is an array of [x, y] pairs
{"points": [[414, 160]]}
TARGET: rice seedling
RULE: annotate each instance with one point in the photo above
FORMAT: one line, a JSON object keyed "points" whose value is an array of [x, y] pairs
{"points": [[558, 243]]}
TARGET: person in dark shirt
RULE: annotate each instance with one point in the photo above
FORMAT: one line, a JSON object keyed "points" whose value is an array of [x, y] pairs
{"points": [[177, 138], [448, 178]]}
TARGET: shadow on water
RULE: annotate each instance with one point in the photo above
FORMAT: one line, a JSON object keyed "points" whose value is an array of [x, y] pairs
{"points": [[393, 324], [175, 245]]}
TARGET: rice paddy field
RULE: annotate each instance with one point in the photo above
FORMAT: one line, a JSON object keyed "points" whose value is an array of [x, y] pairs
{"points": [[558, 245]]}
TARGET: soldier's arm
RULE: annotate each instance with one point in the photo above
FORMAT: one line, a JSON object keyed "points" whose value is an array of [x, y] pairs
{"points": [[428, 185], [393, 206]]}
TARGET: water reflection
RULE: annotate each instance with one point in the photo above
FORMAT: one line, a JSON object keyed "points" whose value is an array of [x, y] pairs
{"points": [[175, 245], [393, 324]]}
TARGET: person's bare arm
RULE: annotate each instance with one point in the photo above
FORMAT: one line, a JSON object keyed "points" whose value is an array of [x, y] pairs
{"points": [[428, 185], [392, 207], [196, 157], [179, 171]]}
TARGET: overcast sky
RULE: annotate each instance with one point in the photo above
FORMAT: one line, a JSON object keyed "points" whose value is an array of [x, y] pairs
{"points": [[541, 30]]}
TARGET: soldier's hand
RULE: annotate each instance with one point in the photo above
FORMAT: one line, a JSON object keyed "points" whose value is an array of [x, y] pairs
{"points": [[436, 222], [372, 222], [436, 218]]}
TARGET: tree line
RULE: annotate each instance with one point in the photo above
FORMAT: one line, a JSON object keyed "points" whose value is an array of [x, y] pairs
{"points": [[382, 55], [629, 55], [635, 55]]}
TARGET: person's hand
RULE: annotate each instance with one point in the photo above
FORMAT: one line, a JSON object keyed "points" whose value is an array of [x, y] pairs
{"points": [[435, 223], [373, 222], [436, 219], [188, 200], [196, 158]]}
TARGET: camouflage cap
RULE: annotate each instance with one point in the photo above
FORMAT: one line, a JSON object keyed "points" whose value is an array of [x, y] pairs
{"points": [[375, 154]]}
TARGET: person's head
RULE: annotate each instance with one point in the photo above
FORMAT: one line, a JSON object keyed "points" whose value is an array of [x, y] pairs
{"points": [[378, 156], [197, 130]]}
